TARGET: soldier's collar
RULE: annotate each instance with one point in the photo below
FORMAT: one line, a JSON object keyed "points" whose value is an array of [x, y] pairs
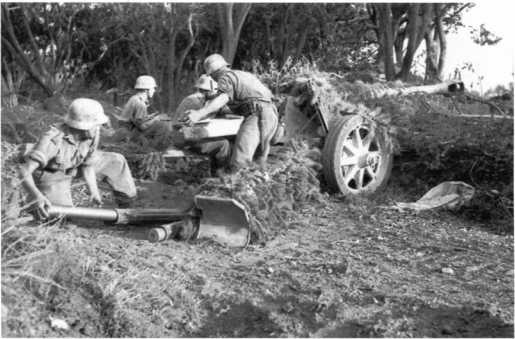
{"points": [[70, 138], [68, 135]]}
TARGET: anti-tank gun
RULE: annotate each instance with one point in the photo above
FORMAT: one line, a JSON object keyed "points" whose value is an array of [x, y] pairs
{"points": [[357, 155], [357, 150]]}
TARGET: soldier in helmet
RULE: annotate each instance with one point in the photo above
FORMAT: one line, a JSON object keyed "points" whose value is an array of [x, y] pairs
{"points": [[69, 148], [207, 89], [247, 96], [156, 127]]}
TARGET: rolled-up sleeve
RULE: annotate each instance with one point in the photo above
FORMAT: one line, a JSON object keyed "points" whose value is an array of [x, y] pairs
{"points": [[45, 150]]}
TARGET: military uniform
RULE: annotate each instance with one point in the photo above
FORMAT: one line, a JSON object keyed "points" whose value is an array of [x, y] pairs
{"points": [[193, 101], [60, 156], [135, 115], [253, 100], [219, 150]]}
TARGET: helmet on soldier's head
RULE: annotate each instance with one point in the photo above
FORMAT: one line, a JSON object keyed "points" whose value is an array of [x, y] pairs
{"points": [[145, 82], [207, 83], [213, 63], [84, 114]]}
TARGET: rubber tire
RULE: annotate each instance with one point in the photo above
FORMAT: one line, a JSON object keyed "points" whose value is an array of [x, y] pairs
{"points": [[331, 156]]}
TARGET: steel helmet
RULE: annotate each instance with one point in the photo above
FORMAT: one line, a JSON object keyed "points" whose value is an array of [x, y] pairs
{"points": [[213, 63], [145, 82], [207, 83], [84, 114]]}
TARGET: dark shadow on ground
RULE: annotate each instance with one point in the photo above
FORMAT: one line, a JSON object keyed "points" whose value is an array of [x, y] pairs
{"points": [[415, 319], [239, 320], [288, 315]]}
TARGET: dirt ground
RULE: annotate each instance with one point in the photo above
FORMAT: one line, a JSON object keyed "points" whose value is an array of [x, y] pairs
{"points": [[338, 273], [344, 268]]}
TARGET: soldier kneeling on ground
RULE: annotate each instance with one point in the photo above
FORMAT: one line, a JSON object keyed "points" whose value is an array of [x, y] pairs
{"points": [[155, 127], [69, 148]]}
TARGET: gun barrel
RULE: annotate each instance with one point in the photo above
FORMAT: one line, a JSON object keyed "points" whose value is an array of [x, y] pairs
{"points": [[444, 87], [105, 214], [122, 216]]}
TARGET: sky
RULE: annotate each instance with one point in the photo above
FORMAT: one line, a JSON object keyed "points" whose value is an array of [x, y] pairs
{"points": [[494, 63]]}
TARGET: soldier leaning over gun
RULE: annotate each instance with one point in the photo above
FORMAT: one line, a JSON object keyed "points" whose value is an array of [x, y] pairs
{"points": [[155, 127], [69, 148], [207, 89], [247, 96]]}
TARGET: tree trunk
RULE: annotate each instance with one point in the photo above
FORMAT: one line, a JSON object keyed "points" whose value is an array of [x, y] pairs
{"points": [[436, 47], [301, 42], [431, 73], [8, 87], [169, 77], [269, 39], [441, 38], [398, 46], [384, 12], [179, 66], [416, 30], [231, 17], [373, 17], [411, 30], [285, 32], [18, 53], [170, 81]]}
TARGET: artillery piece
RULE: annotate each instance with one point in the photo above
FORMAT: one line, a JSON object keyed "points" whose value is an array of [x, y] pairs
{"points": [[357, 151]]}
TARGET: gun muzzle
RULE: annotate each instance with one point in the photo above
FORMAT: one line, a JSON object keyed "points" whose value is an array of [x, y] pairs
{"points": [[105, 214]]}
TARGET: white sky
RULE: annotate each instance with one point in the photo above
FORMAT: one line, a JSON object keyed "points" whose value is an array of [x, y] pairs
{"points": [[495, 63]]}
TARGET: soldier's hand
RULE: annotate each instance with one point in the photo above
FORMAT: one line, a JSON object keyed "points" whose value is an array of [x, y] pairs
{"points": [[42, 206], [192, 116], [96, 199]]}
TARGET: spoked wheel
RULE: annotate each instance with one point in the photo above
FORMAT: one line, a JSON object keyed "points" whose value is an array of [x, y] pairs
{"points": [[356, 159]]}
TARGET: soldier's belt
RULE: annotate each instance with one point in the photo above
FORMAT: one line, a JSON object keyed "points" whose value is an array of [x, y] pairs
{"points": [[254, 106]]}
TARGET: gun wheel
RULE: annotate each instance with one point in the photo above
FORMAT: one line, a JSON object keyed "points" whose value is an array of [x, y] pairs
{"points": [[356, 159]]}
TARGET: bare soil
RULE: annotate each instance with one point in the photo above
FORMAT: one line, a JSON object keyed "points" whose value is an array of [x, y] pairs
{"points": [[339, 273]]}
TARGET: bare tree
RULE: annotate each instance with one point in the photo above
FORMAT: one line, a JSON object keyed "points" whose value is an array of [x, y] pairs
{"points": [[160, 38], [436, 47], [49, 58], [12, 79], [419, 22], [411, 24], [385, 29], [231, 17]]}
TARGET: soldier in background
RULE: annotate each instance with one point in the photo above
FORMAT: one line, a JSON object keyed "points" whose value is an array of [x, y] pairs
{"points": [[155, 127], [71, 148], [207, 89]]}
